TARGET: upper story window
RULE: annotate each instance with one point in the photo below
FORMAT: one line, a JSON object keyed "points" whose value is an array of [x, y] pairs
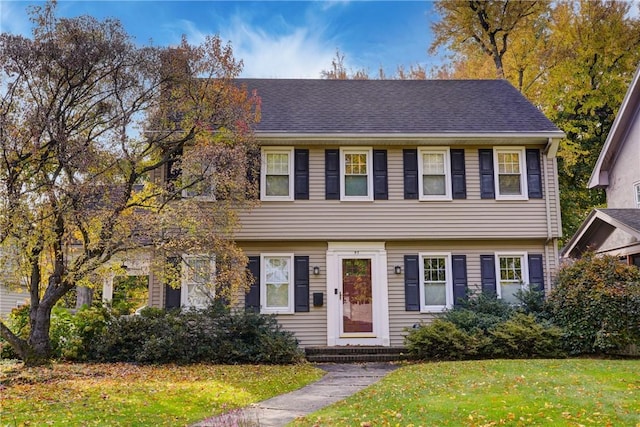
{"points": [[510, 177], [277, 291], [435, 174], [276, 182], [637, 194], [197, 289], [198, 181], [356, 171], [436, 284], [512, 274]]}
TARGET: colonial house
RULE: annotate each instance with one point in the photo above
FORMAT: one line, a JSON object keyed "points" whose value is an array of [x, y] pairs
{"points": [[385, 202], [616, 229]]}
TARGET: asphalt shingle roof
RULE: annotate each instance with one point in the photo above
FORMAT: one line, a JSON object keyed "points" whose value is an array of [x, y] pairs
{"points": [[630, 217], [395, 107]]}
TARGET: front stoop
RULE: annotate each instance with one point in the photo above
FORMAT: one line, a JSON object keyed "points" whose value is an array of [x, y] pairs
{"points": [[355, 354]]}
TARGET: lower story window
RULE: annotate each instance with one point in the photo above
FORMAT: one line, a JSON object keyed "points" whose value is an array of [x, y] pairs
{"points": [[197, 275], [511, 276], [276, 291], [436, 286]]}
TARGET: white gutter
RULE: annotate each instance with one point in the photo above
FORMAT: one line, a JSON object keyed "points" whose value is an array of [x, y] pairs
{"points": [[404, 136]]}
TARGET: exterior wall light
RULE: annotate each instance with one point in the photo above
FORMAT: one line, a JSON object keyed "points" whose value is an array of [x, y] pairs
{"points": [[316, 270], [397, 269]]}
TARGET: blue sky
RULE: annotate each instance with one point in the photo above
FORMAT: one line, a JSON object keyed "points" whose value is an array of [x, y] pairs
{"points": [[274, 38]]}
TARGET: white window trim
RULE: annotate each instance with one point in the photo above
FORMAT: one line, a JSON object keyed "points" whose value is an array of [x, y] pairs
{"points": [[357, 150], [525, 270], [447, 173], [448, 285], [211, 196], [263, 174], [636, 194], [184, 282], [263, 284], [523, 173]]}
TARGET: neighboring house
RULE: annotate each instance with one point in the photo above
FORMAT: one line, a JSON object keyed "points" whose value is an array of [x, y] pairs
{"points": [[616, 230], [384, 202], [11, 298]]}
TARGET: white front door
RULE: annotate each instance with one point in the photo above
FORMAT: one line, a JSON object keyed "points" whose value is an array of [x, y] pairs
{"points": [[357, 297]]}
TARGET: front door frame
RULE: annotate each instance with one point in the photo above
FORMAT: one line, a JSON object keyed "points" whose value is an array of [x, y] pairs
{"points": [[336, 252]]}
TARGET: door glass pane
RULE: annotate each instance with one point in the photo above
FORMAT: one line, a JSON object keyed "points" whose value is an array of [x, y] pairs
{"points": [[357, 307]]}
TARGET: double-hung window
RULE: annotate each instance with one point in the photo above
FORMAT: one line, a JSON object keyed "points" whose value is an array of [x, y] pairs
{"points": [[356, 171], [510, 173], [436, 285], [277, 287], [435, 174], [197, 289], [636, 190], [276, 182], [512, 273], [198, 179]]}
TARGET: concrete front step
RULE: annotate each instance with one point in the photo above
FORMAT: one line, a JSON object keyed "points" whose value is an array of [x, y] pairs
{"points": [[355, 354]]}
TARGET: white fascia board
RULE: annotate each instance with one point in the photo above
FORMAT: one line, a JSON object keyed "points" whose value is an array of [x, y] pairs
{"points": [[403, 137], [616, 134]]}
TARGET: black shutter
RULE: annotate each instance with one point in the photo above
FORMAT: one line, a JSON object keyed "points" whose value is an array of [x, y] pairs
{"points": [[380, 181], [173, 167], [458, 175], [410, 162], [332, 174], [459, 270], [534, 174], [301, 290], [252, 298], [487, 186], [254, 164], [411, 283], [488, 274], [172, 295], [536, 272], [301, 175]]}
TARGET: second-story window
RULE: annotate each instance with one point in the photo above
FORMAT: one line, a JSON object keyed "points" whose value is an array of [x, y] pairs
{"points": [[198, 179], [433, 167], [276, 181], [355, 168], [637, 194], [511, 182]]}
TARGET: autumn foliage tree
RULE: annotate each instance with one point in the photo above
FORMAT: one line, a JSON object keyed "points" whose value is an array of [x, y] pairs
{"points": [[88, 120], [573, 59]]}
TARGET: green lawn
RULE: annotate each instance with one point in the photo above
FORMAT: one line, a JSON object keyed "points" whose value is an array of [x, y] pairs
{"points": [[571, 392], [131, 395]]}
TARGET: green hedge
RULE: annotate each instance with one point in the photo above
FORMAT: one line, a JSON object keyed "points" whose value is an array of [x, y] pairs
{"points": [[596, 300]]}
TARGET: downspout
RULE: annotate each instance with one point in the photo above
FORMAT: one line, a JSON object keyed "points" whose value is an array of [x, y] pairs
{"points": [[548, 216]]}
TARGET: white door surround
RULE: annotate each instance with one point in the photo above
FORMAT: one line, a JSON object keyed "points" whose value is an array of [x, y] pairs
{"points": [[376, 252]]}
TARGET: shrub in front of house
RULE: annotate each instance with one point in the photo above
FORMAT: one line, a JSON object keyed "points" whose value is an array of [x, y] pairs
{"points": [[215, 335], [486, 327], [596, 300]]}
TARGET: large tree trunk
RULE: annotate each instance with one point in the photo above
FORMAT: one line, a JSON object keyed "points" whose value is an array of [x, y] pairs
{"points": [[39, 344]]}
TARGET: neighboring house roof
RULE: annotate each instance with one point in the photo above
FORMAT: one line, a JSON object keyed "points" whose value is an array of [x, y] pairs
{"points": [[599, 225], [397, 107], [617, 135]]}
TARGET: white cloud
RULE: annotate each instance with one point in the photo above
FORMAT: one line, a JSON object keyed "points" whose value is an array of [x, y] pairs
{"points": [[289, 52], [296, 54]]}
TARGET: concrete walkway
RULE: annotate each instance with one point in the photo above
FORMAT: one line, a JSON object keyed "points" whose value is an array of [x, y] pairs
{"points": [[340, 382]]}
